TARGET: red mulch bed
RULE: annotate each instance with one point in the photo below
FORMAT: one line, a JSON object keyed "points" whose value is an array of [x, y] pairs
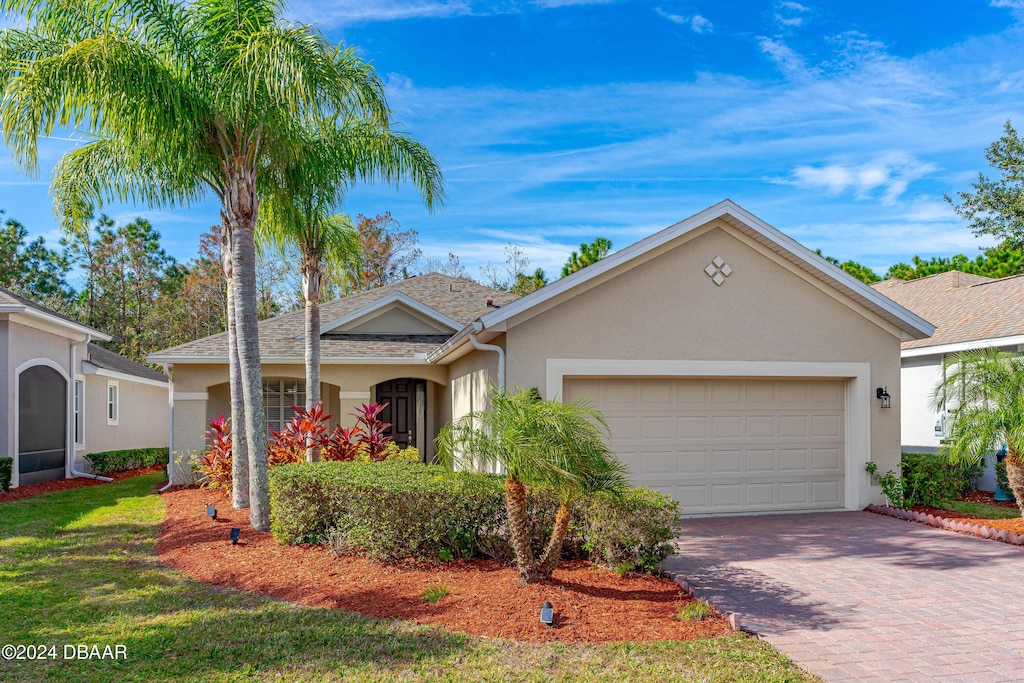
{"points": [[592, 604], [1016, 525], [65, 484]]}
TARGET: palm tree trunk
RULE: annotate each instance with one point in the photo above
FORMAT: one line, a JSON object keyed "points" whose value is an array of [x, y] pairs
{"points": [[311, 292], [239, 216], [1015, 473], [519, 534], [549, 560], [239, 449]]}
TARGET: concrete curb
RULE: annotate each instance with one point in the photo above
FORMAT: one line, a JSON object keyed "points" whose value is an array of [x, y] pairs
{"points": [[948, 523]]}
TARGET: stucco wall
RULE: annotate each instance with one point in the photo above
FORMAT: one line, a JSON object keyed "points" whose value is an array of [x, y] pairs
{"points": [[667, 308], [142, 417], [201, 393], [919, 378]]}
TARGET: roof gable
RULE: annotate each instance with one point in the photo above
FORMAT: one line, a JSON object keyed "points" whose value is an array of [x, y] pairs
{"points": [[910, 325], [412, 317], [451, 301]]}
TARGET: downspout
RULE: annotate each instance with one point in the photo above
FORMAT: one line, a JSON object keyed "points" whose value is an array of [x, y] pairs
{"points": [[170, 432], [478, 327], [71, 412]]}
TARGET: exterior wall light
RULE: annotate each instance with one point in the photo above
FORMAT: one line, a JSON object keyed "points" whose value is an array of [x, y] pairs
{"points": [[211, 511], [547, 614], [236, 533], [883, 394]]}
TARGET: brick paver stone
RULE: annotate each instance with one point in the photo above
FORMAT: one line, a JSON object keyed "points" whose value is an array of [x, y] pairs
{"points": [[855, 595]]}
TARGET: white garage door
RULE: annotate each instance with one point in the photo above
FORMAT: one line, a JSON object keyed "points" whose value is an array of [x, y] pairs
{"points": [[727, 445]]}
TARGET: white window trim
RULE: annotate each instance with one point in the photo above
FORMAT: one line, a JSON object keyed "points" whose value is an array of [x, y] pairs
{"points": [[79, 444], [112, 421]]}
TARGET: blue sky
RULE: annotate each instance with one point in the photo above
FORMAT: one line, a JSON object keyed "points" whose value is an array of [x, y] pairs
{"points": [[557, 121]]}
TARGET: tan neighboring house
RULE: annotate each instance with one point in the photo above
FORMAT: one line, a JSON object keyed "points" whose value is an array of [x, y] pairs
{"points": [[737, 369], [67, 397], [969, 312]]}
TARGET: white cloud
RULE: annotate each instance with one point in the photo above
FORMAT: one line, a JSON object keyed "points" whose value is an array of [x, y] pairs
{"points": [[891, 174], [1012, 4], [355, 11], [696, 22], [788, 61], [790, 14]]}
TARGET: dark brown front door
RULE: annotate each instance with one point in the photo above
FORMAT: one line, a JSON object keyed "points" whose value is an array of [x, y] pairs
{"points": [[400, 397]]}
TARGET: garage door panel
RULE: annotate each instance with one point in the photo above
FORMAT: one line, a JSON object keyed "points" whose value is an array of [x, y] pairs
{"points": [[761, 426], [728, 445]]}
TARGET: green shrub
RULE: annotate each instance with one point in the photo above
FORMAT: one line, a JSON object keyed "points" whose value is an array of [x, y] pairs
{"points": [[435, 592], [392, 510], [107, 462], [698, 610], [6, 465], [634, 528], [930, 479]]}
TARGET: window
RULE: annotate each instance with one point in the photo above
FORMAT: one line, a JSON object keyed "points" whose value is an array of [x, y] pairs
{"points": [[79, 411], [112, 407], [279, 398]]}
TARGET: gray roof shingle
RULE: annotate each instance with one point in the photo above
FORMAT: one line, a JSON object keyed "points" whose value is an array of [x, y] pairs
{"points": [[282, 336], [963, 307], [109, 360]]}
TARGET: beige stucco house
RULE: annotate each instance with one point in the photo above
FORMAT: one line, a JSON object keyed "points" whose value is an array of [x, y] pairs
{"points": [[67, 397], [737, 369]]}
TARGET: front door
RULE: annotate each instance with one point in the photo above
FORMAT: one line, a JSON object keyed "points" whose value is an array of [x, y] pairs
{"points": [[399, 397], [42, 425]]}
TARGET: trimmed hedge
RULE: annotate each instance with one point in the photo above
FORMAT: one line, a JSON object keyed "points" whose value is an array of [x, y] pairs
{"points": [[107, 462], [6, 468], [930, 479], [397, 510]]}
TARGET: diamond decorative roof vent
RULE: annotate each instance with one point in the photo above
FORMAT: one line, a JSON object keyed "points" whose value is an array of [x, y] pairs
{"points": [[718, 270]]}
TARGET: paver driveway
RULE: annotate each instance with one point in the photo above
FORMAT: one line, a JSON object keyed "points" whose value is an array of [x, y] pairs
{"points": [[855, 596]]}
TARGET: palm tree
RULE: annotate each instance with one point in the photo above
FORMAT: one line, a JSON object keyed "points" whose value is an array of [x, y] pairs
{"points": [[536, 443], [298, 212], [988, 386], [178, 99]]}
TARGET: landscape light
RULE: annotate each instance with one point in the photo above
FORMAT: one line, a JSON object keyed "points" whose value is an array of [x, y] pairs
{"points": [[211, 511], [236, 533], [547, 614]]}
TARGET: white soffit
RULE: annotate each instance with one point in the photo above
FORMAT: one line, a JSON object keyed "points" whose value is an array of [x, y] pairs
{"points": [[393, 300], [911, 325]]}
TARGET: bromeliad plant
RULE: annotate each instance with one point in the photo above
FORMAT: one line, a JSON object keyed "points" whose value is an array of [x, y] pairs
{"points": [[989, 386], [556, 445]]}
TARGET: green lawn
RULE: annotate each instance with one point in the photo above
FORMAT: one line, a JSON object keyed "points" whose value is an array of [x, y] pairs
{"points": [[982, 510], [77, 567]]}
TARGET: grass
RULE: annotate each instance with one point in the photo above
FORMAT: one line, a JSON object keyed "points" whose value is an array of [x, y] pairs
{"points": [[77, 567], [435, 592], [698, 610], [982, 510]]}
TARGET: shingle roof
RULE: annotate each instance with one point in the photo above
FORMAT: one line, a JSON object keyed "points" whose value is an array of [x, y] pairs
{"points": [[963, 307], [282, 336], [109, 360], [9, 298]]}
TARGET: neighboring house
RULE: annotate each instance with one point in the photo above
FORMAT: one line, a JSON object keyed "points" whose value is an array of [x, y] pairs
{"points": [[737, 369], [66, 395], [969, 312]]}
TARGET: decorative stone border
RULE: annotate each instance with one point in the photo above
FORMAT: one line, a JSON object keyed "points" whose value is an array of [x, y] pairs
{"points": [[949, 523]]}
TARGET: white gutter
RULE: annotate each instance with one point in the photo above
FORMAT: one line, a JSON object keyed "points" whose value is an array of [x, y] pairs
{"points": [[71, 413], [478, 327], [170, 431]]}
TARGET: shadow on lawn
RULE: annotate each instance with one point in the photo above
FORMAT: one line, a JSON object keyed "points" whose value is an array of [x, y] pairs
{"points": [[100, 584]]}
